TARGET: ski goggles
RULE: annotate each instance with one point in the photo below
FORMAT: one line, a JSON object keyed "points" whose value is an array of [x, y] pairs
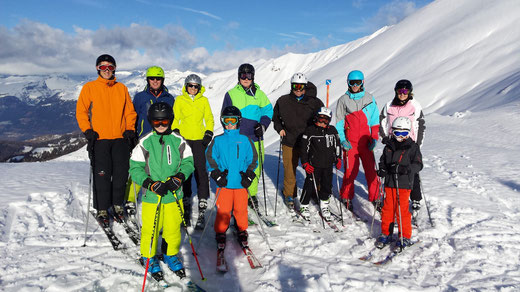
{"points": [[229, 120], [298, 86], [157, 123], [106, 67], [403, 91], [196, 86], [355, 82], [401, 133], [323, 119], [248, 76]]}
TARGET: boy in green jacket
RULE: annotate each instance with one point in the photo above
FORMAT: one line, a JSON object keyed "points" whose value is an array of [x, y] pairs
{"points": [[160, 163]]}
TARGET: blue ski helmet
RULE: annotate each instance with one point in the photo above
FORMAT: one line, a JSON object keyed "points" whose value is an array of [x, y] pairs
{"points": [[355, 75]]}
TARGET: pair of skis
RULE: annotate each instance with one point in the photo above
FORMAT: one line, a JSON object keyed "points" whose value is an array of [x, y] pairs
{"points": [[116, 243], [394, 252], [183, 282], [222, 265]]}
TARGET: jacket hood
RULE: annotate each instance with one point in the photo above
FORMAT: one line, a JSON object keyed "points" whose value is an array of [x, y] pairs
{"points": [[357, 95]]}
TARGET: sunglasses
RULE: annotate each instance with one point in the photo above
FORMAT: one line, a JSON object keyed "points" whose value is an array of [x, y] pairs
{"points": [[403, 91], [355, 82], [230, 120], [196, 86], [298, 86], [401, 133], [157, 123], [106, 67], [248, 76], [155, 78]]}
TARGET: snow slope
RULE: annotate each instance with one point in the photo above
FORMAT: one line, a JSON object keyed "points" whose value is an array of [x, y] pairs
{"points": [[463, 61]]}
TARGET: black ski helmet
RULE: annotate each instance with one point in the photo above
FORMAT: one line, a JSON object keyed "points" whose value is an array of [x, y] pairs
{"points": [[404, 84], [246, 68], [230, 111], [160, 111], [107, 58]]}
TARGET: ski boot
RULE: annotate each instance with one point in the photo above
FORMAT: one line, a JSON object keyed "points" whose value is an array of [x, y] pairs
{"points": [[119, 213], [242, 238], [187, 211], [203, 204], [348, 205], [304, 211], [102, 218], [221, 240], [154, 268], [325, 211], [130, 209], [289, 202], [382, 241], [175, 264], [253, 204], [401, 245]]}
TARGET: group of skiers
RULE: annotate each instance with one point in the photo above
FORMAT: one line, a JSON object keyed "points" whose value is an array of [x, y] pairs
{"points": [[161, 141]]}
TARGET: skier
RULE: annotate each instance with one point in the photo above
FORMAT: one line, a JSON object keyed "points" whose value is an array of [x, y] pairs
{"points": [[231, 160], [320, 151], [106, 116], [400, 162], [357, 120], [154, 92], [194, 120], [405, 105], [160, 163], [293, 113], [256, 117]]}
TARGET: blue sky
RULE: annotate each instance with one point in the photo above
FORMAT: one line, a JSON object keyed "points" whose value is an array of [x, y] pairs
{"points": [[197, 35]]}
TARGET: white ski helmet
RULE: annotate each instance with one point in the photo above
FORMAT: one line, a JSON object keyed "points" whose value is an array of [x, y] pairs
{"points": [[402, 123], [299, 78], [325, 111]]}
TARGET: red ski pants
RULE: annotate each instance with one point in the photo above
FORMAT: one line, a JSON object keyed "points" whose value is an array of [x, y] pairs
{"points": [[390, 212], [351, 163], [231, 200]]}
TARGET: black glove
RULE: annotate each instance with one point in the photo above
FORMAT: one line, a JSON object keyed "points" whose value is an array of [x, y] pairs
{"points": [[220, 177], [247, 178], [259, 130], [399, 169], [381, 172], [385, 140], [208, 135], [131, 138], [91, 136], [175, 182], [157, 187]]}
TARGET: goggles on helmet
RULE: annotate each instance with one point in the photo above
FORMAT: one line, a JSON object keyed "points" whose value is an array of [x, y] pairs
{"points": [[401, 133], [298, 86], [403, 91], [229, 120], [248, 76], [157, 123], [106, 67], [355, 82]]}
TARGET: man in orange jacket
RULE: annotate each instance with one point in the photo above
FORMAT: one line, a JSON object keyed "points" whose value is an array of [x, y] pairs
{"points": [[106, 116]]}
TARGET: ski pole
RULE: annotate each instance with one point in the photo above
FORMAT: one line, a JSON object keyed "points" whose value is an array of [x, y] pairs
{"points": [[319, 201], [379, 195], [209, 217], [88, 204], [151, 241], [277, 176], [260, 146], [137, 216], [188, 234], [426, 202], [261, 226], [339, 196], [399, 208]]}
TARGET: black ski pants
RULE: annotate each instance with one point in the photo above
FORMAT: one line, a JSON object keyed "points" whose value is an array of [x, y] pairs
{"points": [[415, 194], [323, 178], [111, 163], [201, 173]]}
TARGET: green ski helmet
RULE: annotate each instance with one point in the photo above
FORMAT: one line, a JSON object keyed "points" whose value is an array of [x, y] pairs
{"points": [[155, 71]]}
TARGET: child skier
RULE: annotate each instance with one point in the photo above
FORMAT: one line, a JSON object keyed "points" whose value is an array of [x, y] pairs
{"points": [[400, 161], [160, 163], [231, 160], [320, 150]]}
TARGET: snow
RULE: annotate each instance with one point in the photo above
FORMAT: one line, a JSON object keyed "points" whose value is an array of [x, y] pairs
{"points": [[463, 61]]}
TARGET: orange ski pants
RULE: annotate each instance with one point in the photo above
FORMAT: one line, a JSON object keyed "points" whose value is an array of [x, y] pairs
{"points": [[231, 200], [391, 210]]}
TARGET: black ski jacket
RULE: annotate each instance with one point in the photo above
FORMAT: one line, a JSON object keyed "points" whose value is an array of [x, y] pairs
{"points": [[294, 116], [407, 154], [320, 146]]}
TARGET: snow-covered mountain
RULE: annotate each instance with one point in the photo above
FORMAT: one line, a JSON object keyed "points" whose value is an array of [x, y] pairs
{"points": [[463, 58]]}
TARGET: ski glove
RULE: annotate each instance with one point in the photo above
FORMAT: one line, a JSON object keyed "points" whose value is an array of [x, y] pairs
{"points": [[338, 163], [157, 187], [385, 140], [372, 145], [247, 178], [309, 169], [175, 182], [381, 172], [91, 136], [131, 138], [208, 135], [259, 130], [220, 177], [346, 145], [399, 169]]}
